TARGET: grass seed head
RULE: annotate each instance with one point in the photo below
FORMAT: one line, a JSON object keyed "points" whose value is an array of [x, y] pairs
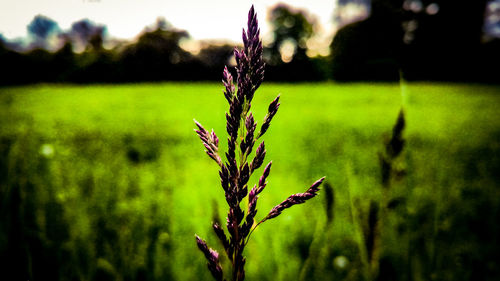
{"points": [[236, 172]]}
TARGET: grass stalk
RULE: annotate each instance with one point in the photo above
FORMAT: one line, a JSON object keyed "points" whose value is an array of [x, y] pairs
{"points": [[236, 171]]}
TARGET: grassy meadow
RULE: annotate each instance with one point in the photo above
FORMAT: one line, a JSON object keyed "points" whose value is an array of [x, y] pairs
{"points": [[110, 182]]}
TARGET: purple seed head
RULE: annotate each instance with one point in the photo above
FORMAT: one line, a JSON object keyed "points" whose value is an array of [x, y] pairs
{"points": [[295, 199], [212, 258], [249, 63], [221, 235], [235, 173], [272, 110], [262, 180], [210, 142], [228, 82], [260, 154]]}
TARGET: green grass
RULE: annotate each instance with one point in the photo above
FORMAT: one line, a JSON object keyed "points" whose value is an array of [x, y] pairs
{"points": [[110, 181]]}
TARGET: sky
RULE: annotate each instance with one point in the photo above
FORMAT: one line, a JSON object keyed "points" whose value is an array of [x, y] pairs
{"points": [[125, 19]]}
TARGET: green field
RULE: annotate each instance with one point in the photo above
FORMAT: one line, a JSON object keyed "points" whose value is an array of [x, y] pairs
{"points": [[109, 182]]}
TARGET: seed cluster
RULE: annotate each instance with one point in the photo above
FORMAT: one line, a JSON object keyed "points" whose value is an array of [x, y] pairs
{"points": [[238, 168]]}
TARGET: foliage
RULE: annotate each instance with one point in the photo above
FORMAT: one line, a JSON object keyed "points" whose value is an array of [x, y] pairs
{"points": [[424, 40], [286, 53], [86, 34], [289, 26], [41, 28]]}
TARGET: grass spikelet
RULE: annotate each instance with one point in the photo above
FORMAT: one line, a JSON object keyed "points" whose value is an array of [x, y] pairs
{"points": [[236, 171]]}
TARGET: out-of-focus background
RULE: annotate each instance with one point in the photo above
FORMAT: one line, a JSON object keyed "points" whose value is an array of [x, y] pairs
{"points": [[103, 178], [130, 41]]}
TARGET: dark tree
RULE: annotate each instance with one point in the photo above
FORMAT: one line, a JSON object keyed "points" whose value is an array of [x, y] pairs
{"points": [[369, 49], [213, 58], [3, 49], [424, 39], [156, 55], [87, 35], [444, 40], [41, 28], [286, 54], [289, 26]]}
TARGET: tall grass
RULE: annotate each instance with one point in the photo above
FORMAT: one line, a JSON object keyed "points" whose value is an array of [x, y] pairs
{"points": [[240, 163], [93, 181]]}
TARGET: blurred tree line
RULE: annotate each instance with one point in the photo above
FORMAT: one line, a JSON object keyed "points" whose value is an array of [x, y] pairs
{"points": [[421, 39], [424, 39]]}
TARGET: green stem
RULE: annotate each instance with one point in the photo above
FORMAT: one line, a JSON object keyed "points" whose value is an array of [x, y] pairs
{"points": [[357, 225], [251, 231]]}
